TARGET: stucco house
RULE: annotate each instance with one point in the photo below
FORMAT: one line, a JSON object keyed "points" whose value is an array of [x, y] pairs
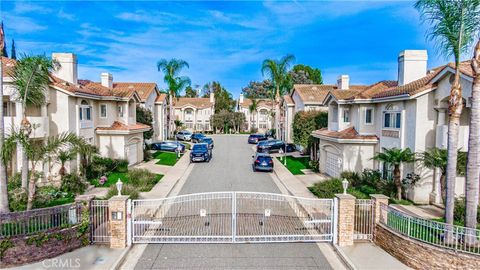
{"points": [[409, 112], [261, 119], [97, 111], [194, 113], [161, 117]]}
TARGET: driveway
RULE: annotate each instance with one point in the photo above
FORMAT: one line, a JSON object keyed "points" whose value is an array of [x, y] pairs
{"points": [[230, 170]]}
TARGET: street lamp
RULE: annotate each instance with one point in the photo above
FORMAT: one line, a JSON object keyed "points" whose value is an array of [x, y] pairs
{"points": [[119, 185], [345, 185]]}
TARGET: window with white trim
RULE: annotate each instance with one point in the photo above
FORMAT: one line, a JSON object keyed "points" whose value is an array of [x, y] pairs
{"points": [[392, 120], [346, 115], [369, 116], [120, 111], [103, 110], [85, 111]]}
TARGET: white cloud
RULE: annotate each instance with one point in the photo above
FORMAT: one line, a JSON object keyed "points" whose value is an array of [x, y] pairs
{"points": [[22, 24], [64, 15], [22, 7]]}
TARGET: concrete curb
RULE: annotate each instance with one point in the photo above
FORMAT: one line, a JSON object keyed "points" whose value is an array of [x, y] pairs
{"points": [[344, 257], [116, 265]]}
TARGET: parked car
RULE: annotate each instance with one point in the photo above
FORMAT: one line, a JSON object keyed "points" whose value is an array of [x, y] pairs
{"points": [[275, 146], [208, 141], [255, 138], [169, 146], [200, 152], [184, 135], [262, 162], [197, 137]]}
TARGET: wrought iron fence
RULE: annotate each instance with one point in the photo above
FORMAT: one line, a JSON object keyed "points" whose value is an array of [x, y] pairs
{"points": [[39, 220], [99, 221], [363, 222], [432, 232]]}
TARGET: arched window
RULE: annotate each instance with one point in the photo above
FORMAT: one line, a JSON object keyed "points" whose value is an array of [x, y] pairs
{"points": [[85, 111], [392, 117]]}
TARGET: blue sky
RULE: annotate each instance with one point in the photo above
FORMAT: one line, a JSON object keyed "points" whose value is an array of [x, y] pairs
{"points": [[222, 40]]}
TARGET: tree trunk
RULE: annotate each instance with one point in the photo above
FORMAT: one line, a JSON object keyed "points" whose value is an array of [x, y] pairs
{"points": [[455, 110], [473, 155], [3, 169], [443, 188], [398, 183], [277, 112], [170, 113], [31, 189]]}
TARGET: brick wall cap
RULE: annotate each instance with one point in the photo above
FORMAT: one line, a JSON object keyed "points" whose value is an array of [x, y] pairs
{"points": [[84, 198], [119, 198], [379, 196], [345, 196]]}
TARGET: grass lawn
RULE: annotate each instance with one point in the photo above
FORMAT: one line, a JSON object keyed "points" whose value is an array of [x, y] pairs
{"points": [[165, 158], [295, 165], [111, 179]]}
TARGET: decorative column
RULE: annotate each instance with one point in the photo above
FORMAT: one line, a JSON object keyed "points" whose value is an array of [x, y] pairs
{"points": [[345, 219], [117, 208], [378, 200]]}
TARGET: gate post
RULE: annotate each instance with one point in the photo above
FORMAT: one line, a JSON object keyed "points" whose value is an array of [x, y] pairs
{"points": [[345, 219], [117, 209], [378, 200]]}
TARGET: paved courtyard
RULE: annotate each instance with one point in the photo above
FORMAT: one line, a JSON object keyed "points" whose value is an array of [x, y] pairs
{"points": [[230, 170]]}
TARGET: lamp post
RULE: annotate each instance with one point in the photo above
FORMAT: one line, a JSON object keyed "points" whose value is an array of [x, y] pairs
{"points": [[285, 156], [119, 185], [345, 185]]}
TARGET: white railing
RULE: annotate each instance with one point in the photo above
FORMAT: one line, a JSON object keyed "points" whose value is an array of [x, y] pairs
{"points": [[39, 220], [435, 233], [363, 223], [86, 124]]}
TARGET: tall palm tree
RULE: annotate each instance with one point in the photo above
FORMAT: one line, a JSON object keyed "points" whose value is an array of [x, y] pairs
{"points": [[171, 71], [453, 27], [253, 108], [473, 155], [277, 71], [37, 153], [30, 80], [3, 169], [396, 157]]}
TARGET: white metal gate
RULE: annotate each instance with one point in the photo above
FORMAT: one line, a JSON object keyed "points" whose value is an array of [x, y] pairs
{"points": [[232, 217]]}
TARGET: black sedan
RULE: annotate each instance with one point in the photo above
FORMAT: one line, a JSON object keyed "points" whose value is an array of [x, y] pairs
{"points": [[200, 152], [262, 162], [275, 146], [255, 138], [197, 137], [169, 146]]}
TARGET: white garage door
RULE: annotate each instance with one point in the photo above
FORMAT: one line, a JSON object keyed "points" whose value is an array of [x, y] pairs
{"points": [[333, 165], [132, 154]]}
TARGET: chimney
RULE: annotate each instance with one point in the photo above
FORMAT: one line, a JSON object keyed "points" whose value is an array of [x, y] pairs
{"points": [[343, 82], [107, 79], [212, 97], [67, 70], [241, 98], [412, 65]]}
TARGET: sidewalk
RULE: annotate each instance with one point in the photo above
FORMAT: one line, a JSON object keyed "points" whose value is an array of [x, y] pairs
{"points": [[92, 257], [364, 255]]}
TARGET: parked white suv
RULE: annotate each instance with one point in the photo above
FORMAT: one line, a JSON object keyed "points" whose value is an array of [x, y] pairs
{"points": [[184, 135]]}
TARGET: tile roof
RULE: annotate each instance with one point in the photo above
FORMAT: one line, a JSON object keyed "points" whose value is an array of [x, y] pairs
{"points": [[121, 126], [288, 99], [161, 98], [143, 89], [261, 102], [7, 66], [316, 93], [105, 91], [200, 103], [346, 134]]}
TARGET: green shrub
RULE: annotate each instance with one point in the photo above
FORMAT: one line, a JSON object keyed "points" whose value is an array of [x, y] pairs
{"points": [[103, 166], [371, 177], [306, 122], [358, 194], [353, 178], [142, 179], [460, 211], [48, 196], [17, 199], [366, 189], [127, 189], [314, 164], [327, 189], [121, 165], [73, 183], [15, 181]]}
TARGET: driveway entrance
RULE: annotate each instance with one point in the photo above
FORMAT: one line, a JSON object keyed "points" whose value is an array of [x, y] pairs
{"points": [[232, 217]]}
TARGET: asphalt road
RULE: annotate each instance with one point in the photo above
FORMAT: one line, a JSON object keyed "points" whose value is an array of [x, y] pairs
{"points": [[230, 170]]}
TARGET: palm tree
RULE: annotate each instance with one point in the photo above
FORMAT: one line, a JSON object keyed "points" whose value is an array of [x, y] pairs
{"points": [[436, 158], [453, 28], [30, 79], [178, 124], [473, 156], [3, 169], [396, 157], [63, 156], [252, 108], [37, 153], [277, 70], [171, 70], [86, 151]]}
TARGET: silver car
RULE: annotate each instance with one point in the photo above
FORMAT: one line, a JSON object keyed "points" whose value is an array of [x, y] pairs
{"points": [[184, 135]]}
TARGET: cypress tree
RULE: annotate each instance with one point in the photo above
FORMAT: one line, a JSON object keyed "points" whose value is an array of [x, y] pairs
{"points": [[4, 51], [13, 52]]}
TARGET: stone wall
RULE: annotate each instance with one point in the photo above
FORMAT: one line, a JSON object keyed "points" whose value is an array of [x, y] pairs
{"points": [[420, 255], [29, 249]]}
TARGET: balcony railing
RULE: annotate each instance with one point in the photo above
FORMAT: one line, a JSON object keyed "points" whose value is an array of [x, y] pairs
{"points": [[86, 124]]}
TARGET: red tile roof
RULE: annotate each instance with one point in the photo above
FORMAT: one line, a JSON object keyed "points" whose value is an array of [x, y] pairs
{"points": [[7, 66], [161, 97], [200, 103], [143, 89], [121, 126], [316, 93], [346, 134], [261, 102], [288, 99]]}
